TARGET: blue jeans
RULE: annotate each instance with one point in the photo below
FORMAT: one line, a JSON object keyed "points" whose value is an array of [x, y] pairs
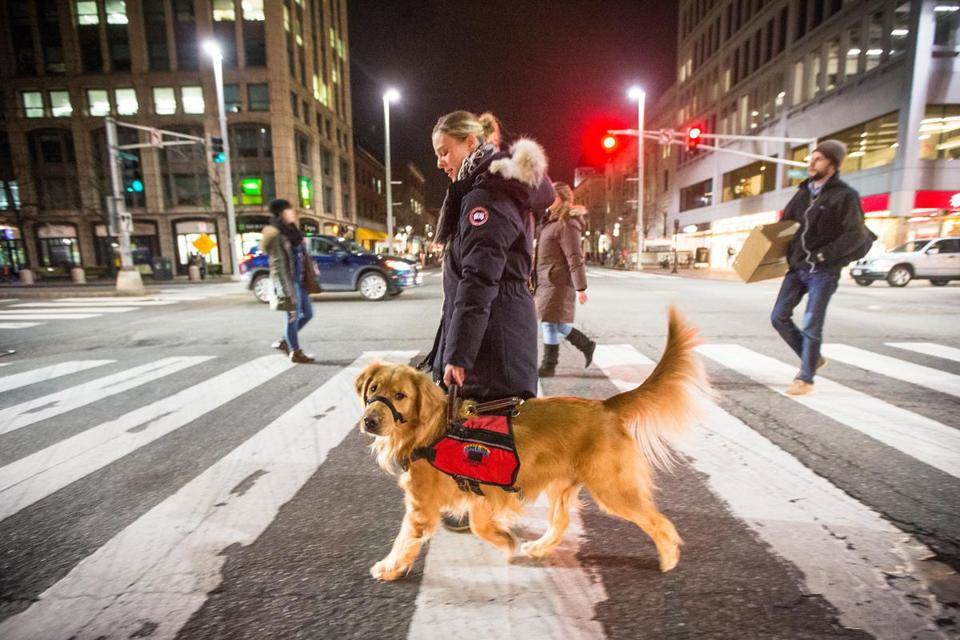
{"points": [[819, 286], [554, 332], [297, 319]]}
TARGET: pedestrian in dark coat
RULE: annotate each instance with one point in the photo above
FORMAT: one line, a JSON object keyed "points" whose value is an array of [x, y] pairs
{"points": [[561, 279], [831, 229], [487, 342], [293, 273]]}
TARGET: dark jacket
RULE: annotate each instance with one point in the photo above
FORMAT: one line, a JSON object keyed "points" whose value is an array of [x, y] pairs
{"points": [[489, 324], [560, 268], [831, 225], [282, 269]]}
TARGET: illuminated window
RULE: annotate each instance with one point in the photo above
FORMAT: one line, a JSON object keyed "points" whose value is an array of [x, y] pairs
{"points": [[869, 144], [116, 12], [253, 10], [224, 11], [60, 104], [900, 34], [192, 99], [940, 132], [127, 104], [87, 12], [164, 101], [98, 101], [751, 180], [306, 192], [32, 104]]}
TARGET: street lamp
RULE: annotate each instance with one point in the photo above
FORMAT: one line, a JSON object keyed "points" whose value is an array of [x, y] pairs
{"points": [[636, 93], [216, 55], [390, 95]]}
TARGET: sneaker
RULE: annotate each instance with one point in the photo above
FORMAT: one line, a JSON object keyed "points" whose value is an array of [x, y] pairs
{"points": [[800, 388], [459, 524], [299, 357], [281, 345]]}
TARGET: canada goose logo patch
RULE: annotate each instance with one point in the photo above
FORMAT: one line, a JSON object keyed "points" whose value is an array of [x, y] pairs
{"points": [[478, 216]]}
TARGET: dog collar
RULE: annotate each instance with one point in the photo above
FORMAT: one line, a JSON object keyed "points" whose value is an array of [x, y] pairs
{"points": [[397, 416]]}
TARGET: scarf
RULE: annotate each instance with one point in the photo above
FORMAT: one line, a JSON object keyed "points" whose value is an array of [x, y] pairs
{"points": [[466, 177], [290, 231]]}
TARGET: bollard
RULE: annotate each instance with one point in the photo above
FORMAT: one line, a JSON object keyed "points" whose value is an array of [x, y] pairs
{"points": [[78, 275], [194, 272], [26, 276]]}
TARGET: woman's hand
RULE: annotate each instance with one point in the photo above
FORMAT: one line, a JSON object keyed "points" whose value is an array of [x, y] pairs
{"points": [[453, 373], [582, 297]]}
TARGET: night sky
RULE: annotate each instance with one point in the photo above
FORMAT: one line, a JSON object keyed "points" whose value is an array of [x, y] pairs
{"points": [[556, 71]]}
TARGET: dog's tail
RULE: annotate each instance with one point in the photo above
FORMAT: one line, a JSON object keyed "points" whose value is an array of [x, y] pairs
{"points": [[668, 401]]}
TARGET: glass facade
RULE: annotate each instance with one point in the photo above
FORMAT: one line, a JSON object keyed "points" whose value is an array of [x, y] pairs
{"points": [[751, 180]]}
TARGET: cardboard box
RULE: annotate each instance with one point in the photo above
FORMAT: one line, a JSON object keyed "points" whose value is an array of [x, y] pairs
{"points": [[764, 254]]}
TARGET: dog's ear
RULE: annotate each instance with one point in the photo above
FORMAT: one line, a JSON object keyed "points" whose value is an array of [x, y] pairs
{"points": [[428, 405], [363, 380]]}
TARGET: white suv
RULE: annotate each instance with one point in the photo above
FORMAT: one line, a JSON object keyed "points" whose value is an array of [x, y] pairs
{"points": [[936, 260]]}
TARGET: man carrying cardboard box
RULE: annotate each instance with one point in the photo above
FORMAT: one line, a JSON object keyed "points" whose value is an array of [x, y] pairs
{"points": [[831, 234]]}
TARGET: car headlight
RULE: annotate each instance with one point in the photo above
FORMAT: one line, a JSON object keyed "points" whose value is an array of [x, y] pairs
{"points": [[398, 265]]}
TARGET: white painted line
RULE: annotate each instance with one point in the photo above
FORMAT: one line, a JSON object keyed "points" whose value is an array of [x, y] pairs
{"points": [[844, 549], [40, 474], [8, 383], [613, 274], [47, 316], [90, 303], [27, 413], [59, 310], [929, 349], [595, 274], [469, 584], [924, 439], [19, 325], [928, 377], [6, 300], [161, 568]]}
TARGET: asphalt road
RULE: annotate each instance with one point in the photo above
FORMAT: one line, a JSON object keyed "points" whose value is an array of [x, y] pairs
{"points": [[164, 474]]}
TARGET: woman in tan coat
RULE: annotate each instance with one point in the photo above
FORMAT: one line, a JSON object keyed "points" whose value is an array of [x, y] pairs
{"points": [[561, 279]]}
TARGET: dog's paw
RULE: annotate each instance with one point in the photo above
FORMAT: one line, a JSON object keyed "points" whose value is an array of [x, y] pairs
{"points": [[535, 550], [387, 571]]}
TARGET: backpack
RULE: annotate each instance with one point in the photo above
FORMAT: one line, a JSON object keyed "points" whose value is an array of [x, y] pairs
{"points": [[869, 237]]}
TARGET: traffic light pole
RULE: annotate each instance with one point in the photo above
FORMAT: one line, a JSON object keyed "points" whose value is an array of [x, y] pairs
{"points": [[669, 136], [235, 252], [641, 232], [128, 278]]}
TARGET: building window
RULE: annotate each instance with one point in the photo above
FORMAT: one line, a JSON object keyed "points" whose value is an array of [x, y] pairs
{"points": [[253, 10], [869, 144], [116, 11], [833, 63], [164, 101], [328, 199], [303, 151], [60, 105], [88, 33], [87, 12], [940, 132], [184, 168], [54, 168], [192, 99], [327, 161], [21, 32], [131, 172], [294, 105], [344, 173], [306, 192], [854, 51], [947, 25], [224, 32], [696, 195], [32, 104], [231, 98], [155, 25], [254, 34], [118, 40], [58, 246], [251, 155], [900, 34], [98, 101], [48, 26], [814, 84], [185, 33], [127, 104], [751, 180], [223, 11], [874, 40], [258, 97]]}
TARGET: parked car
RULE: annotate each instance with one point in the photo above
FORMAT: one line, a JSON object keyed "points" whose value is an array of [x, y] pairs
{"points": [[936, 260], [344, 266]]}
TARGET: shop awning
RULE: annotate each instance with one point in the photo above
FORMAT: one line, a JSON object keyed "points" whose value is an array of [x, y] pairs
{"points": [[364, 234]]}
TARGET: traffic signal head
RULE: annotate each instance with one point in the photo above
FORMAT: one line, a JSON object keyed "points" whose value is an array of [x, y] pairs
{"points": [[609, 143], [694, 136], [216, 149]]}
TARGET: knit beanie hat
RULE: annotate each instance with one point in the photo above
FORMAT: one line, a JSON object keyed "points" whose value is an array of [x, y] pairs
{"points": [[834, 150]]}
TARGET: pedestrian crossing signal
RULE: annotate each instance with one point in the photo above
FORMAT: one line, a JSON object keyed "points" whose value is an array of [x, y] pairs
{"points": [[694, 136], [216, 149]]}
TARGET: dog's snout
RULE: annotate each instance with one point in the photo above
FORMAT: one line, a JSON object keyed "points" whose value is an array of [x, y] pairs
{"points": [[371, 423]]}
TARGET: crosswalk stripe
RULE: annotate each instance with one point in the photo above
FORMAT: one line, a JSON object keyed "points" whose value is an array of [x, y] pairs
{"points": [[108, 303], [20, 325], [494, 598], [595, 274], [40, 474], [31, 411], [917, 436], [929, 349], [48, 316], [9, 383], [161, 567], [919, 375], [59, 310], [614, 274], [842, 547]]}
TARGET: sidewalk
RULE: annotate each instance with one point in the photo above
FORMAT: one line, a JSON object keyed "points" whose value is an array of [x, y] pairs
{"points": [[98, 289], [700, 274]]}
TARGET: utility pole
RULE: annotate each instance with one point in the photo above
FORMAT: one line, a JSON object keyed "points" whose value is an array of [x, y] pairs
{"points": [[129, 279]]}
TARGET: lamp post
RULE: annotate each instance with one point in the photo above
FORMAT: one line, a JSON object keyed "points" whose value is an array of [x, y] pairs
{"points": [[636, 93], [216, 56], [390, 95]]}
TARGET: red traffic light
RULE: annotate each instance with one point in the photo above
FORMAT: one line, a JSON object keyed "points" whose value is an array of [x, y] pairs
{"points": [[694, 136], [609, 143]]}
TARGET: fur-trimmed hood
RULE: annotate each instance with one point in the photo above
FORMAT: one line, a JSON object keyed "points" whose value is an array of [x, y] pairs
{"points": [[527, 163]]}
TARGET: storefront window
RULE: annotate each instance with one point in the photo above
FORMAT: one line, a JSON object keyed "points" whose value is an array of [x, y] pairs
{"points": [[250, 230], [144, 245], [940, 132], [309, 227], [13, 258], [58, 245], [187, 234], [869, 144], [696, 195], [751, 180]]}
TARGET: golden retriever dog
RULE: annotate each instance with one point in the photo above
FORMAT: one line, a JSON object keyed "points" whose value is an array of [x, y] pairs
{"points": [[610, 446]]}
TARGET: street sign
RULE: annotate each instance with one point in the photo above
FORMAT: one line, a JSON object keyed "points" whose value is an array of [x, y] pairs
{"points": [[156, 137], [204, 244], [797, 174], [666, 135], [126, 222]]}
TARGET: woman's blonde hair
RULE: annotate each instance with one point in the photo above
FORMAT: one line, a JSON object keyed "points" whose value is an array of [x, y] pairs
{"points": [[459, 125], [564, 209], [491, 126]]}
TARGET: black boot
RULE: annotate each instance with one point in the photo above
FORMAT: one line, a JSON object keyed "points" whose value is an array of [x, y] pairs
{"points": [[551, 355], [584, 345]]}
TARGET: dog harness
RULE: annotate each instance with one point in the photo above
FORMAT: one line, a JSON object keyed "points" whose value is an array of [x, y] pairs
{"points": [[479, 449], [397, 416]]}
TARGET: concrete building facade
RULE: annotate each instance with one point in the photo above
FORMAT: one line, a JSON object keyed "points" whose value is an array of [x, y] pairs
{"points": [[66, 64]]}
